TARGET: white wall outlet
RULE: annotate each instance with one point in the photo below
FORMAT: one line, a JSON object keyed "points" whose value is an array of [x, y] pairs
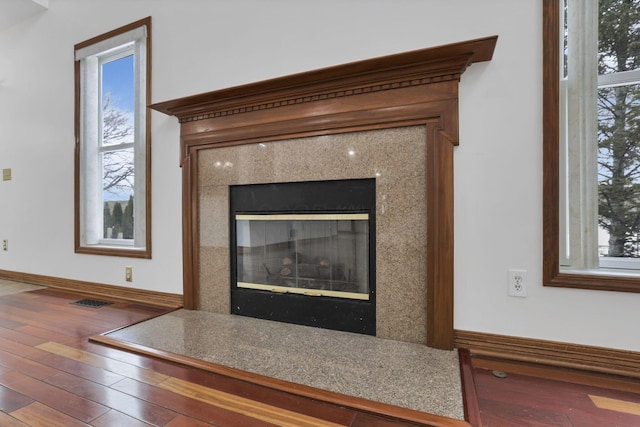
{"points": [[518, 283], [5, 245], [128, 274]]}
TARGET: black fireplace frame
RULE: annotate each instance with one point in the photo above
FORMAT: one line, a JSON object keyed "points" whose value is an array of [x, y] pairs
{"points": [[316, 197]]}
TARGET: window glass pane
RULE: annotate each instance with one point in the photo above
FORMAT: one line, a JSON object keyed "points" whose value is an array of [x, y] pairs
{"points": [[564, 34], [619, 170], [118, 100], [619, 36], [117, 194]]}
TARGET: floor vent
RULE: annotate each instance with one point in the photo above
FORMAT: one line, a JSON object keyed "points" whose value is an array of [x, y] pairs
{"points": [[91, 303]]}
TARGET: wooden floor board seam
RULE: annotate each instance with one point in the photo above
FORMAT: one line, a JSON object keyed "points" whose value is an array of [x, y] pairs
{"points": [[242, 405]]}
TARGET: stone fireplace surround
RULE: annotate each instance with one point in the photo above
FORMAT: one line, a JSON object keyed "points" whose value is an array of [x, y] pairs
{"points": [[394, 157], [398, 114]]}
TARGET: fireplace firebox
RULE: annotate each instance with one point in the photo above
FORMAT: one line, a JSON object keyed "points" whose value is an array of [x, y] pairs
{"points": [[304, 253]]}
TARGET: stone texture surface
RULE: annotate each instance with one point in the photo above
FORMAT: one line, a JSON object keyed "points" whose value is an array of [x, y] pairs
{"points": [[215, 292], [394, 157], [397, 373]]}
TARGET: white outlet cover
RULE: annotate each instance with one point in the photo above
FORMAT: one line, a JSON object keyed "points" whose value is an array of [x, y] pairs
{"points": [[517, 276]]}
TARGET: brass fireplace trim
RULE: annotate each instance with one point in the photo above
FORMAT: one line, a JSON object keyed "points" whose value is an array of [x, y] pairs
{"points": [[414, 88], [304, 291], [305, 217]]}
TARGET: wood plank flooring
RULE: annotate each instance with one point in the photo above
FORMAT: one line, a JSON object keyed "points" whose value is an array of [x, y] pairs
{"points": [[51, 375], [535, 395]]}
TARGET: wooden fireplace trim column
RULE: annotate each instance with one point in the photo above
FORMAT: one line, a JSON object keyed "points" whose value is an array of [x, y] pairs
{"points": [[414, 88]]}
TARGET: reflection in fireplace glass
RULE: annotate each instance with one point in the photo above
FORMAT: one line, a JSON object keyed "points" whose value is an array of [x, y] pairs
{"points": [[311, 254]]}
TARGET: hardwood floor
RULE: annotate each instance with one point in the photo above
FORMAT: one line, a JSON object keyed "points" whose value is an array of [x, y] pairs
{"points": [[52, 375], [535, 395]]}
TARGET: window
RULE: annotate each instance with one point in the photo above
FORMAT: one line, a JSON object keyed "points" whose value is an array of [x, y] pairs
{"points": [[113, 143], [592, 144]]}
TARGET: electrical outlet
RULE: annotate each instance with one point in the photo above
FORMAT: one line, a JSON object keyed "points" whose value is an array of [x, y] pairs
{"points": [[518, 283], [128, 274], [5, 245]]}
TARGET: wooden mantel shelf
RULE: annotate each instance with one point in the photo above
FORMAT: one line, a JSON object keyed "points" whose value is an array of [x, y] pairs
{"points": [[435, 62], [416, 88]]}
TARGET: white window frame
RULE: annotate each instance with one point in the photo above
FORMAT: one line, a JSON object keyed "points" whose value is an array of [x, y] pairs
{"points": [[132, 39], [579, 145]]}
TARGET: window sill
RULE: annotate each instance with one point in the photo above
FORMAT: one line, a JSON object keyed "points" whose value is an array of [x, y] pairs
{"points": [[612, 280], [110, 250]]}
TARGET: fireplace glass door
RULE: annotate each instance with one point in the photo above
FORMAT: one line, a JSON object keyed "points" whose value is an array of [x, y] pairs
{"points": [[309, 254], [304, 253]]}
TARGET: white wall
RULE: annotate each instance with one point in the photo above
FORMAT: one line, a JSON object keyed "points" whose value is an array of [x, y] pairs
{"points": [[203, 45]]}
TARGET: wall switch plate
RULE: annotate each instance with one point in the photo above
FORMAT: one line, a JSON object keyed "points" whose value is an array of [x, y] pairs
{"points": [[6, 174], [128, 274]]}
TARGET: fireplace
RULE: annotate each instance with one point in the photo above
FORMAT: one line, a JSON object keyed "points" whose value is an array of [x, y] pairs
{"points": [[304, 253], [393, 119]]}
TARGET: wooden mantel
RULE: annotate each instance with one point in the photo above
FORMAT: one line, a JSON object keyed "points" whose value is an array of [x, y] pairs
{"points": [[436, 62], [413, 88]]}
